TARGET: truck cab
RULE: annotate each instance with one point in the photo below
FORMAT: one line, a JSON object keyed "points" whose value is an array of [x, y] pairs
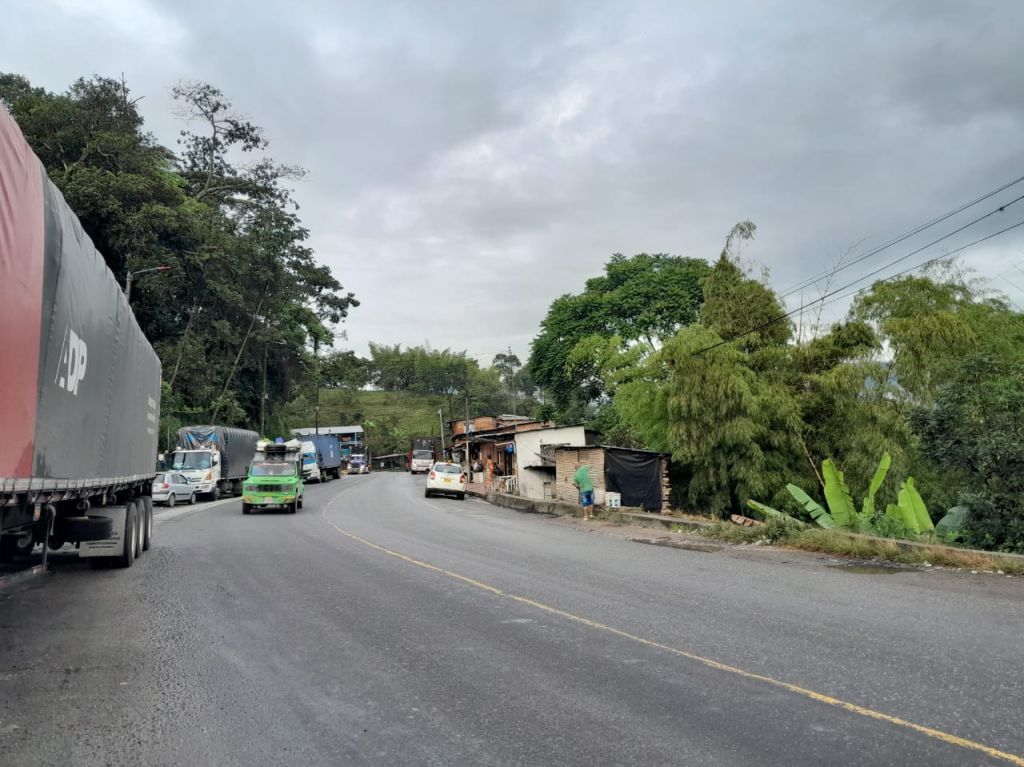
{"points": [[310, 462], [421, 461], [200, 467], [275, 478]]}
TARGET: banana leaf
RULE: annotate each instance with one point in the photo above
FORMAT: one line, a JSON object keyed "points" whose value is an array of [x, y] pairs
{"points": [[952, 521], [916, 503], [868, 506], [815, 509], [770, 513], [837, 495], [904, 515]]}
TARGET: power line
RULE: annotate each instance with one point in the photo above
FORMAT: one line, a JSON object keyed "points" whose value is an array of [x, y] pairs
{"points": [[822, 300], [931, 261], [901, 238]]}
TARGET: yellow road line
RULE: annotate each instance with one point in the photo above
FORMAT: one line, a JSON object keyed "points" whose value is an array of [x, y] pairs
{"points": [[945, 737]]}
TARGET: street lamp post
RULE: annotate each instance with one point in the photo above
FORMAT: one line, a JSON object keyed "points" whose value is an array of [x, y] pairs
{"points": [[133, 275]]}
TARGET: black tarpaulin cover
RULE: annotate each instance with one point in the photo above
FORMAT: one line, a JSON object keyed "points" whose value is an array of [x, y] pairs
{"points": [[637, 476]]}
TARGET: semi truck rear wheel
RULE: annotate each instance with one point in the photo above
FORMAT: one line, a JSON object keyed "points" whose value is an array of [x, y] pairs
{"points": [[147, 529], [129, 537]]}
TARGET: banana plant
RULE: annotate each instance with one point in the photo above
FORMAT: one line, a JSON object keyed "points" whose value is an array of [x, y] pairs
{"points": [[910, 510], [811, 506], [842, 511]]}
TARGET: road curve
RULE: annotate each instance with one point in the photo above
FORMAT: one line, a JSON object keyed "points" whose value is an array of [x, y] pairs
{"points": [[378, 627]]}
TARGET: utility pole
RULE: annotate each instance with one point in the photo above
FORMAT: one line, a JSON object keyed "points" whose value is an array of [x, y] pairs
{"points": [[440, 420], [512, 385], [132, 275], [466, 424], [316, 379], [263, 396]]}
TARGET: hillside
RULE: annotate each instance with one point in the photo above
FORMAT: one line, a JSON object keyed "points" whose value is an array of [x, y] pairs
{"points": [[389, 418]]}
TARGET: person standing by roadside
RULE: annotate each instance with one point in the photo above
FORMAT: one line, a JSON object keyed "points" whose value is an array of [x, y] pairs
{"points": [[491, 471], [586, 487]]}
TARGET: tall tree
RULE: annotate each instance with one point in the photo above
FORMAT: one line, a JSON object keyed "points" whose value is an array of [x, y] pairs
{"points": [[643, 298]]}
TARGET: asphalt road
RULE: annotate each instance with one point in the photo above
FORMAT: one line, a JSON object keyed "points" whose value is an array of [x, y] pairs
{"points": [[377, 627]]}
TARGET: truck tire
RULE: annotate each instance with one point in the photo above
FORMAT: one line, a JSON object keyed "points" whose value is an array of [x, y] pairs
{"points": [[9, 548], [462, 496], [246, 508], [215, 493], [293, 507], [426, 493], [147, 528], [129, 537], [299, 502], [140, 526]]}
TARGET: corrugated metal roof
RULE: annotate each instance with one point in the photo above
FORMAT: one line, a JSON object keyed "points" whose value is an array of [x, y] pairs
{"points": [[335, 430]]}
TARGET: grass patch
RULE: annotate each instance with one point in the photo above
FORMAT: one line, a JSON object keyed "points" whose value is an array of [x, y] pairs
{"points": [[841, 544]]}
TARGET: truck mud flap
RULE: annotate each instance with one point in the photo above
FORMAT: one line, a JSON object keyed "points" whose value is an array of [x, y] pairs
{"points": [[113, 545]]}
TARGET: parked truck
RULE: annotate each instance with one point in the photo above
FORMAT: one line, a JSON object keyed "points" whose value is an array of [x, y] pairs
{"points": [[214, 459], [328, 455], [79, 382], [359, 461], [422, 454]]}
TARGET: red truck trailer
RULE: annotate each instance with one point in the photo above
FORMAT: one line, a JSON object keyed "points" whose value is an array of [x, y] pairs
{"points": [[79, 382]]}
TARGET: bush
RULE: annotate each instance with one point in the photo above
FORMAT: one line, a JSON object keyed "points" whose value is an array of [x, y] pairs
{"points": [[995, 521]]}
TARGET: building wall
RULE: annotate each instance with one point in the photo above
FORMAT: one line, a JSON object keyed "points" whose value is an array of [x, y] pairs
{"points": [[565, 467], [528, 445]]}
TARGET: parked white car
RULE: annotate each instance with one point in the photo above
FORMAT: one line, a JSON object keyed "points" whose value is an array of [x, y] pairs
{"points": [[171, 487], [446, 478]]}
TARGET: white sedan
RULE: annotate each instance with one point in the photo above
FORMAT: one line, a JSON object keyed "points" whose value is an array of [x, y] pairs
{"points": [[171, 487], [446, 478]]}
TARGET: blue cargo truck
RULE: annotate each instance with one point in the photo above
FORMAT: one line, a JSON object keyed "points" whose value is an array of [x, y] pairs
{"points": [[328, 454]]}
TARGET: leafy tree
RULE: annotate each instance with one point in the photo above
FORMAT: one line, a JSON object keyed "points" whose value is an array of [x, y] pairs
{"points": [[733, 430], [974, 430], [243, 280], [644, 298]]}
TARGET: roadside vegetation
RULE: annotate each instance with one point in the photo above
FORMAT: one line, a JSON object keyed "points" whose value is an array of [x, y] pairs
{"points": [[844, 544], [925, 370]]}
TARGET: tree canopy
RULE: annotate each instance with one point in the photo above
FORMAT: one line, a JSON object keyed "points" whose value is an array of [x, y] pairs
{"points": [[245, 295]]}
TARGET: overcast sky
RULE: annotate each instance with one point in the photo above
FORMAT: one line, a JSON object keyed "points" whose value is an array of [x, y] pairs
{"points": [[471, 161]]}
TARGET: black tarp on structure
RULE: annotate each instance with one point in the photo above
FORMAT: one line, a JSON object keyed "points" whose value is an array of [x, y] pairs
{"points": [[636, 475]]}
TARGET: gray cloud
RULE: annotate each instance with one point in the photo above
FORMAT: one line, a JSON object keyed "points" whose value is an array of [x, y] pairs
{"points": [[469, 161]]}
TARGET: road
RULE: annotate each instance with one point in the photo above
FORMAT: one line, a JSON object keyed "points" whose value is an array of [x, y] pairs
{"points": [[377, 627]]}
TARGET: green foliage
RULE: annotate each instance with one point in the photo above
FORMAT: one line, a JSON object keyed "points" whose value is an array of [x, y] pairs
{"points": [[811, 506], [769, 513], [868, 504], [907, 518], [734, 430], [974, 431], [837, 495], [643, 298], [245, 295], [949, 528]]}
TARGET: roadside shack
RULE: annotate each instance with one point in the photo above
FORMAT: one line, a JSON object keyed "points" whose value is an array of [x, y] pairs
{"points": [[636, 478]]}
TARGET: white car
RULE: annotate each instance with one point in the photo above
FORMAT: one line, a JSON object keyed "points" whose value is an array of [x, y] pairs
{"points": [[446, 478], [171, 487]]}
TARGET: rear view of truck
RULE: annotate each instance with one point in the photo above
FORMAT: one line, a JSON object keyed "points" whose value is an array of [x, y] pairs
{"points": [[328, 454], [79, 382]]}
